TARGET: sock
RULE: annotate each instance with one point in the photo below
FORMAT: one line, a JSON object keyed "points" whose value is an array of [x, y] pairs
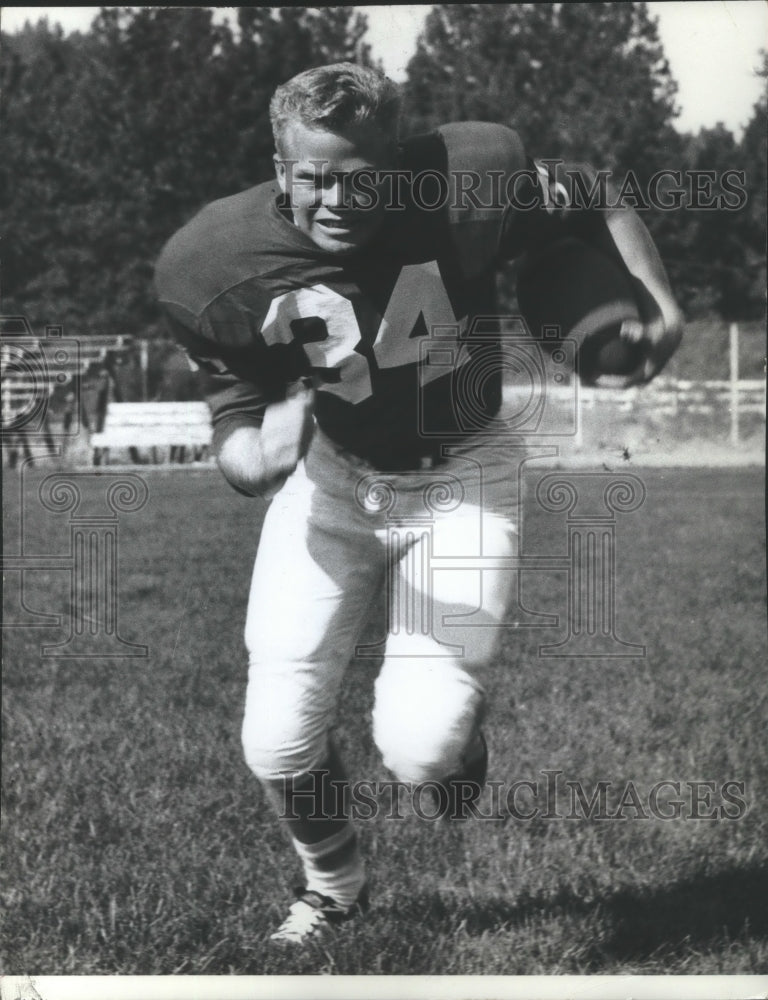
{"points": [[312, 808], [333, 867]]}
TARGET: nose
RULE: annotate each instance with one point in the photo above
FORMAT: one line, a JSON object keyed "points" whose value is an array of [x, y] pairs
{"points": [[334, 192]]}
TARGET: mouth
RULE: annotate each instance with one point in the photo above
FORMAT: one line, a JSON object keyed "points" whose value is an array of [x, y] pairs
{"points": [[338, 226]]}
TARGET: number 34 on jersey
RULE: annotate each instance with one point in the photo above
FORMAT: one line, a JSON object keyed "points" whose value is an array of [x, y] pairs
{"points": [[325, 324]]}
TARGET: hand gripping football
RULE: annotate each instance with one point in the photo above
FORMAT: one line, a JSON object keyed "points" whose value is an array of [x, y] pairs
{"points": [[588, 297]]}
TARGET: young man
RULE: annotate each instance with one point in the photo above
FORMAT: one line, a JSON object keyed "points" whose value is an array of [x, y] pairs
{"points": [[333, 312]]}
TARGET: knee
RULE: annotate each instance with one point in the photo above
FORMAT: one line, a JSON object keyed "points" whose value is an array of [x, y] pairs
{"points": [[425, 714], [282, 732], [275, 747]]}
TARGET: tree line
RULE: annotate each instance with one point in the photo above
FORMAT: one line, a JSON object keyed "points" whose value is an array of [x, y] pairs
{"points": [[114, 137]]}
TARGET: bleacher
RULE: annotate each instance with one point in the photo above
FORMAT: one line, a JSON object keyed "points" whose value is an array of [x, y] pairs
{"points": [[33, 369], [176, 428]]}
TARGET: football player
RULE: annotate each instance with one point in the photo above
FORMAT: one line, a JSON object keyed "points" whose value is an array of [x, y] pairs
{"points": [[311, 302]]}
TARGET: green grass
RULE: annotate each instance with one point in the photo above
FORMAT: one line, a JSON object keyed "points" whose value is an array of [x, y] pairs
{"points": [[135, 840]]}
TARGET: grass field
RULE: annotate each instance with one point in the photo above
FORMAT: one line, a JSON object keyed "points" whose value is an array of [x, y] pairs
{"points": [[135, 840]]}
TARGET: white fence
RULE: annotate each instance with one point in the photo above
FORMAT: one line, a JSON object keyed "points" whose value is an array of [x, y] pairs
{"points": [[32, 368], [673, 395], [708, 407], [716, 409]]}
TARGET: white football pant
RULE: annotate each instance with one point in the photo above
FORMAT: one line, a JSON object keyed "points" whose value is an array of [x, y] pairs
{"points": [[338, 532]]}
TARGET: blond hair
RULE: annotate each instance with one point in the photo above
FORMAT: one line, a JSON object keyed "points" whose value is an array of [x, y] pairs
{"points": [[335, 97]]}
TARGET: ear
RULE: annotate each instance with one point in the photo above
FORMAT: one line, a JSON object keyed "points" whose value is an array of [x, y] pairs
{"points": [[281, 173]]}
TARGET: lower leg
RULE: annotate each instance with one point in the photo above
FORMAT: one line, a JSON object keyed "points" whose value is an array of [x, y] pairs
{"points": [[313, 808]]}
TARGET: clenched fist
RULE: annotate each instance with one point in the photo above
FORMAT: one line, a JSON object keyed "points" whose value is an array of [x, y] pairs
{"points": [[258, 460], [287, 430]]}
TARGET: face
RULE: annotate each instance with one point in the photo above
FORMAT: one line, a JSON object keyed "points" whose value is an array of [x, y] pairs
{"points": [[320, 172]]}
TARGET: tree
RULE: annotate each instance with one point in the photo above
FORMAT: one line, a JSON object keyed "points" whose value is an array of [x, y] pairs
{"points": [[39, 70], [578, 80], [708, 269], [719, 263], [754, 151]]}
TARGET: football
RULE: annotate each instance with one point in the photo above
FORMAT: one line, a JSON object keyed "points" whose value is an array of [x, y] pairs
{"points": [[608, 353], [585, 295]]}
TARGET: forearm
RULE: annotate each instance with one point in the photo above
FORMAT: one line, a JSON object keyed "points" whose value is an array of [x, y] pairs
{"points": [[633, 243], [621, 235], [576, 203], [258, 459], [241, 458]]}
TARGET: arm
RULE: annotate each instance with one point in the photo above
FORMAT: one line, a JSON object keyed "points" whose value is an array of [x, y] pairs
{"points": [[621, 234], [260, 432], [257, 460], [567, 208]]}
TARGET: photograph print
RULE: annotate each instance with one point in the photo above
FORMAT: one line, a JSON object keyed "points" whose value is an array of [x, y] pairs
{"points": [[383, 425]]}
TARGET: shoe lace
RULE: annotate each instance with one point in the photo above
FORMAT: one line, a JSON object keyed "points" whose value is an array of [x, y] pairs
{"points": [[303, 921]]}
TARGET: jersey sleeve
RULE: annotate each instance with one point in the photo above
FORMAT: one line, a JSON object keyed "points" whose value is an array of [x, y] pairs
{"points": [[214, 305], [236, 397], [484, 161], [505, 202], [537, 209]]}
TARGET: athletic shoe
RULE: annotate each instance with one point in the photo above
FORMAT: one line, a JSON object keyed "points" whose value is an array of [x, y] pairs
{"points": [[313, 915]]}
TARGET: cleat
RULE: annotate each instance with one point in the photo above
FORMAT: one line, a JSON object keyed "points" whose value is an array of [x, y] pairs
{"points": [[313, 916], [462, 790]]}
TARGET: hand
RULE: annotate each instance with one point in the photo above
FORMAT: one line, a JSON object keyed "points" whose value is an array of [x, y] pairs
{"points": [[258, 460], [658, 339], [286, 431]]}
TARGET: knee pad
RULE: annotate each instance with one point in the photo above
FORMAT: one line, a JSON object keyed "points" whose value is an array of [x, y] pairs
{"points": [[425, 714]]}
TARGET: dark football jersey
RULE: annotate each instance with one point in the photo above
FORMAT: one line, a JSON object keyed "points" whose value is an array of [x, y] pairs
{"points": [[385, 334]]}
